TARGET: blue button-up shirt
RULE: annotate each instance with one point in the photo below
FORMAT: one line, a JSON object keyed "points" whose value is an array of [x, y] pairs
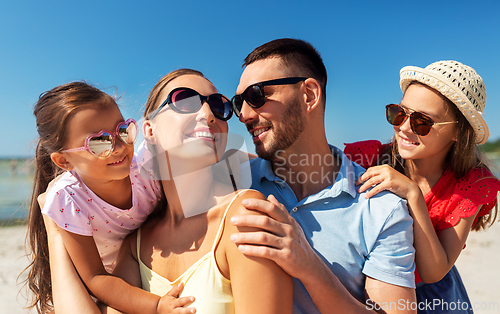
{"points": [[355, 237]]}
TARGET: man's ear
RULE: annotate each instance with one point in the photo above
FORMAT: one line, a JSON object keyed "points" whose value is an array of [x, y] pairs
{"points": [[148, 129], [313, 94], [60, 160]]}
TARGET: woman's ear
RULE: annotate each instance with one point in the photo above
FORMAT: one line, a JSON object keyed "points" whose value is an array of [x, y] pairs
{"points": [[313, 94], [455, 135], [61, 161], [148, 129]]}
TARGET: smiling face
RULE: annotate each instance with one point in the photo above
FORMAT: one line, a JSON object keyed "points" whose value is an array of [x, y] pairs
{"points": [[434, 146], [192, 135], [89, 167], [280, 121]]}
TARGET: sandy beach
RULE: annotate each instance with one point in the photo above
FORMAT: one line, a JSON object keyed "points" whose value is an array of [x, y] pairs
{"points": [[478, 265], [12, 263]]}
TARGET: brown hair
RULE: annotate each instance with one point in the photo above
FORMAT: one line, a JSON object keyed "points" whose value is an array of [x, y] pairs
{"points": [[152, 102], [299, 57], [52, 111], [463, 156]]}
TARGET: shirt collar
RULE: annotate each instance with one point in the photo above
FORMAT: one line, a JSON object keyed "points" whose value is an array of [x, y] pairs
{"points": [[344, 181], [347, 174], [266, 171]]}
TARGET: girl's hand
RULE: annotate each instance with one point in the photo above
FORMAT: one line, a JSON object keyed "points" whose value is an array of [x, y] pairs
{"points": [[386, 178], [171, 303]]}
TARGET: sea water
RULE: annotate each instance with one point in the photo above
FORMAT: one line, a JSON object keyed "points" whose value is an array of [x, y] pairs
{"points": [[16, 183]]}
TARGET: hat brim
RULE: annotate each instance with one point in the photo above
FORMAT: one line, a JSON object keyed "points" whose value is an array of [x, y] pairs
{"points": [[436, 81]]}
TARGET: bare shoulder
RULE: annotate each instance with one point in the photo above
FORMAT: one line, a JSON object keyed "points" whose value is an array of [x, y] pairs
{"points": [[244, 194], [238, 209], [227, 250]]}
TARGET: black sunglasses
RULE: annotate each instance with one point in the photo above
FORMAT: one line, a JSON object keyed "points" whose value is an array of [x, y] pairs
{"points": [[254, 94], [420, 123], [187, 100]]}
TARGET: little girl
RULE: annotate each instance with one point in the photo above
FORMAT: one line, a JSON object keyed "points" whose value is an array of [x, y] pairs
{"points": [[438, 168], [98, 200]]}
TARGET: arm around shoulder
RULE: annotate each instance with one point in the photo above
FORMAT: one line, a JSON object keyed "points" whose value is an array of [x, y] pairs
{"points": [[64, 277], [280, 238], [259, 284]]}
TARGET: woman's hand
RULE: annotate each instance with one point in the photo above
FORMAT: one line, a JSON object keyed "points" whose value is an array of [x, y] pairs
{"points": [[171, 303], [281, 239], [387, 178]]}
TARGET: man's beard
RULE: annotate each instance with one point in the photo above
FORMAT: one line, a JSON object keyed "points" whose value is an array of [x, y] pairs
{"points": [[285, 133]]}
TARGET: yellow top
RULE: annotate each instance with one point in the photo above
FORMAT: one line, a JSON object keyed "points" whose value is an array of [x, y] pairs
{"points": [[203, 280]]}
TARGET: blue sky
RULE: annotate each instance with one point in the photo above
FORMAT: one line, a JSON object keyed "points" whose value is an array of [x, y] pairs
{"points": [[124, 47]]}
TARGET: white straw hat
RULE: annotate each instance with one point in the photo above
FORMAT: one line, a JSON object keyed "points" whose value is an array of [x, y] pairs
{"points": [[457, 82]]}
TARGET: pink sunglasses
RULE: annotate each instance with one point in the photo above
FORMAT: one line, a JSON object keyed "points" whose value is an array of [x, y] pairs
{"points": [[102, 144]]}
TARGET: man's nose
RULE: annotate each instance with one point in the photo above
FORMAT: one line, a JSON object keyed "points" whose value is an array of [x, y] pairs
{"points": [[247, 113]]}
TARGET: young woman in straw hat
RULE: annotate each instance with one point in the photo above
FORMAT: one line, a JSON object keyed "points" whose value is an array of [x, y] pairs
{"points": [[434, 162]]}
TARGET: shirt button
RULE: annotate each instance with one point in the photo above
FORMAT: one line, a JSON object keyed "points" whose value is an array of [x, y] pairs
{"points": [[294, 210]]}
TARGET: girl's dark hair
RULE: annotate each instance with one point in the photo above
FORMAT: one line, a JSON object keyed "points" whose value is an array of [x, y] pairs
{"points": [[52, 111], [463, 156]]}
